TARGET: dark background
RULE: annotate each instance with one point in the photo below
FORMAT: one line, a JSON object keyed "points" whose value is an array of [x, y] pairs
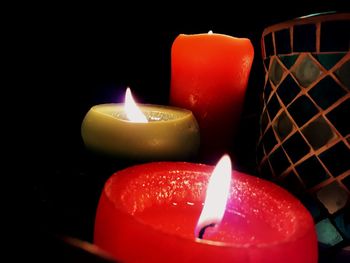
{"points": [[73, 57]]}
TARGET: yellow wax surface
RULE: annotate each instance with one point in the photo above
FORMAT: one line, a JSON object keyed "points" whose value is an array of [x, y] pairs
{"points": [[171, 133]]}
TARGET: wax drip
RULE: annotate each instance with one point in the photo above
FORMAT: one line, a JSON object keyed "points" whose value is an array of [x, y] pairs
{"points": [[202, 231]]}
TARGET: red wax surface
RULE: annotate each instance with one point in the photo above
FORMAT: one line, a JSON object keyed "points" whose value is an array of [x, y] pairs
{"points": [[209, 76], [148, 213], [181, 219]]}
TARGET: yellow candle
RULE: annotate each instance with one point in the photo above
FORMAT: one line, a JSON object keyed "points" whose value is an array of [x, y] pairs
{"points": [[170, 133]]}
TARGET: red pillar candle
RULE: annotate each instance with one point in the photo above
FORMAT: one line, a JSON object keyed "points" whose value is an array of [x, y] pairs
{"points": [[150, 212], [209, 76]]}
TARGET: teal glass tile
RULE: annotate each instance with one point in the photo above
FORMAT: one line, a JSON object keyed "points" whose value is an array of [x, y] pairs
{"points": [[265, 171], [288, 90], [327, 234], [264, 121], [276, 72], [279, 161], [296, 147], [293, 184], [329, 60], [273, 106], [343, 74], [340, 116], [335, 35], [312, 206], [307, 71], [326, 92], [304, 38], [336, 158], [311, 172], [288, 60], [282, 41], [343, 224], [302, 110], [269, 50], [269, 140], [318, 133], [283, 126], [267, 91]]}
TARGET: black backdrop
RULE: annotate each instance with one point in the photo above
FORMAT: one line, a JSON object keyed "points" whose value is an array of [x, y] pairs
{"points": [[74, 57]]}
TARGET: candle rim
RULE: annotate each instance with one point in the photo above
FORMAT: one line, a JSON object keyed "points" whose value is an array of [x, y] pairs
{"points": [[213, 34], [297, 235], [180, 113]]}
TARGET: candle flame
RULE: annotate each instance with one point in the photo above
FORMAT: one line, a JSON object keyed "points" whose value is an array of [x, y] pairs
{"points": [[217, 194], [133, 112]]}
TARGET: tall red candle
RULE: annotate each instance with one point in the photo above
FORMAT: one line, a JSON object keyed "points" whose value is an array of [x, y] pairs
{"points": [[209, 76], [149, 212]]}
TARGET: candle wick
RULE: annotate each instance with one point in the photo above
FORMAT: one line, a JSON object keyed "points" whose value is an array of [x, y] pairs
{"points": [[202, 231]]}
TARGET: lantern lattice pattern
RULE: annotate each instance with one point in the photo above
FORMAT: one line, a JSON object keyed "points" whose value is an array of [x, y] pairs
{"points": [[304, 142]]}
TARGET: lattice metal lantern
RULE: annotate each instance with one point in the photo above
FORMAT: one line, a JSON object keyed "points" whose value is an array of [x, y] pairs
{"points": [[304, 142]]}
